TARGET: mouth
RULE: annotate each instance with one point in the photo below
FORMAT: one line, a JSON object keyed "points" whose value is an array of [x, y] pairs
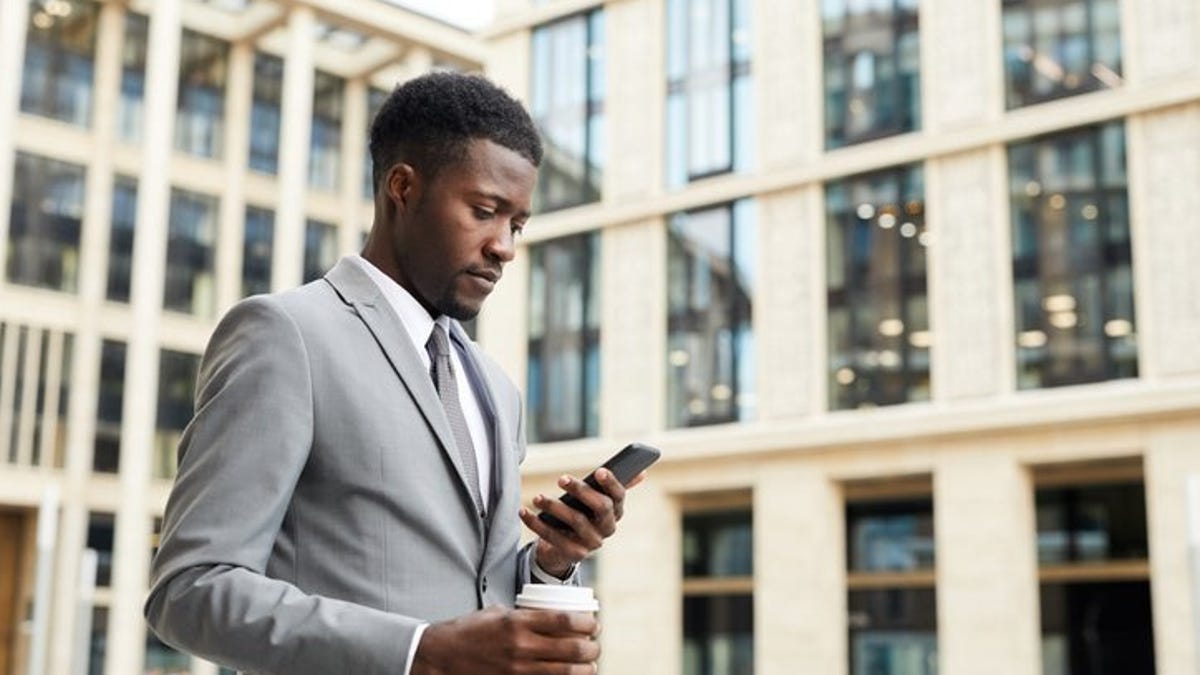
{"points": [[491, 276]]}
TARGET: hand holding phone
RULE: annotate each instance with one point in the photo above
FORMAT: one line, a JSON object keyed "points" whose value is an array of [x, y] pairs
{"points": [[625, 466]]}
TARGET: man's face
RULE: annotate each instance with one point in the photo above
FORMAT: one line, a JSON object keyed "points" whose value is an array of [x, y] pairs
{"points": [[453, 243]]}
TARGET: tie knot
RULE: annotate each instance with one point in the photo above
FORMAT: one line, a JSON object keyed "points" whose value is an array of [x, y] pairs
{"points": [[439, 343]]}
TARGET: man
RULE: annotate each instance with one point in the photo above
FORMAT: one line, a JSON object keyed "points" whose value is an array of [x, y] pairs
{"points": [[347, 490]]}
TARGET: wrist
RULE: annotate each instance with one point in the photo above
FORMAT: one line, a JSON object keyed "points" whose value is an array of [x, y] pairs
{"points": [[427, 659], [551, 561]]}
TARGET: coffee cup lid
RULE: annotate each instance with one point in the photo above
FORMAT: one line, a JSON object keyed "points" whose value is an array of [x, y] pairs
{"points": [[563, 598]]}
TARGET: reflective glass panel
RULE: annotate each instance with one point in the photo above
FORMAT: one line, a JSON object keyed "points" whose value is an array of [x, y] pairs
{"points": [[120, 242], [257, 244], [1092, 523], [718, 544], [60, 49], [265, 113], [890, 536], [100, 532], [200, 109], [893, 631], [320, 249], [176, 391], [1097, 628], [718, 635], [106, 455], [130, 103], [191, 244], [44, 229], [1057, 48], [325, 149]]}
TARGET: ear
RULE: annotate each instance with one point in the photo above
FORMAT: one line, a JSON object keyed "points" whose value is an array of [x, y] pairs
{"points": [[402, 186]]}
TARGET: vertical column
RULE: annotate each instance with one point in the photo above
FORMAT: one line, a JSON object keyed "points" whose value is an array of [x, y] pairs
{"points": [[12, 57], [967, 270], [1170, 458], [1164, 168], [635, 105], [1161, 39], [239, 89], [962, 70], [294, 141], [986, 566], [788, 320], [130, 557], [788, 83], [354, 148], [800, 569], [639, 586], [633, 333]]}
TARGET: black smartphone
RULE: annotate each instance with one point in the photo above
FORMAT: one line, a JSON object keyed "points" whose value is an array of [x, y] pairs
{"points": [[625, 465]]}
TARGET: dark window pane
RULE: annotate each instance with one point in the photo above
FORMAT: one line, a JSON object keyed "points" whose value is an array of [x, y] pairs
{"points": [[60, 48], [1072, 264], [564, 338], [718, 635], [890, 536], [1057, 48], [43, 235], [130, 104], [257, 244], [265, 113], [320, 249], [879, 335], [1092, 523], [718, 544], [101, 529], [872, 70], [176, 389], [567, 102], [120, 243], [106, 456], [190, 246], [375, 100], [99, 641], [1097, 629], [711, 270], [325, 151], [200, 111], [893, 631]]}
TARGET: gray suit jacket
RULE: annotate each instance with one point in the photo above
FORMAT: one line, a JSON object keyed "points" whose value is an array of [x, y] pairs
{"points": [[320, 513]]}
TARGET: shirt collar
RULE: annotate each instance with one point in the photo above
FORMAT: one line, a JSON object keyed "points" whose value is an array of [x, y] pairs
{"points": [[416, 320]]}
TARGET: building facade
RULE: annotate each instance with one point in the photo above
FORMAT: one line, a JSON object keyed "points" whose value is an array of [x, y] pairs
{"points": [[230, 136], [905, 291]]}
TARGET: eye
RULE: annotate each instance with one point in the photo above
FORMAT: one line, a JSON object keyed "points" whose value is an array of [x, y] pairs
{"points": [[482, 213], [518, 227]]}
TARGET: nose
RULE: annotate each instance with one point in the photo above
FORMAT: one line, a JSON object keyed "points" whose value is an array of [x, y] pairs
{"points": [[502, 246]]}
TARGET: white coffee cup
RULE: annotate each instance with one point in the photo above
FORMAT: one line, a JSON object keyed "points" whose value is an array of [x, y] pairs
{"points": [[560, 598]]}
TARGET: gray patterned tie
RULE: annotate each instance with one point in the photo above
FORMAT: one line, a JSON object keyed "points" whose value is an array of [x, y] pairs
{"points": [[441, 371]]}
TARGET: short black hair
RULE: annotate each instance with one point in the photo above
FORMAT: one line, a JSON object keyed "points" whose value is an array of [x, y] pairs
{"points": [[429, 121]]}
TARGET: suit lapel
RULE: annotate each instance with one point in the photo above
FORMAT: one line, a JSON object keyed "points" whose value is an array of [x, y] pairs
{"points": [[361, 293]]}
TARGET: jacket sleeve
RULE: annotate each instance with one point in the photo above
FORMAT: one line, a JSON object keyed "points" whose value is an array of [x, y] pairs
{"points": [[239, 462]]}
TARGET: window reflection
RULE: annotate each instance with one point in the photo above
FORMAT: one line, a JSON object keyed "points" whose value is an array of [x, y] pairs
{"points": [[718, 586], [564, 339], [711, 267], [257, 244], [324, 159], [191, 244], [1072, 264], [44, 227], [265, 112], [872, 69], [60, 48], [568, 105], [375, 100], [176, 389], [890, 535], [893, 631], [130, 104], [200, 113], [100, 530], [709, 99], [1057, 48], [120, 243], [106, 454], [320, 249], [879, 337]]}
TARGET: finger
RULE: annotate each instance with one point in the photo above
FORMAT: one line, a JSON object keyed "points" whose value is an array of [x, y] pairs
{"points": [[552, 623], [616, 492], [566, 545], [581, 528], [603, 506]]}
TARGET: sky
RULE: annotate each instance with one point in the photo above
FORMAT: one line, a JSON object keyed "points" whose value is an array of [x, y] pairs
{"points": [[469, 14]]}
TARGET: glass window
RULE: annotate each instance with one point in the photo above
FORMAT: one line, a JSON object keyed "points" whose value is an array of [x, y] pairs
{"points": [[892, 600], [325, 155], [176, 390], [320, 249], [711, 268], [120, 241], [161, 659], [99, 641], [257, 243], [190, 245], [43, 235], [265, 113], [709, 98], [130, 104], [101, 528], [203, 65], [564, 338], [872, 69], [718, 588], [60, 48], [1057, 48], [1072, 264], [879, 335], [1096, 613], [568, 105], [106, 455], [375, 100]]}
